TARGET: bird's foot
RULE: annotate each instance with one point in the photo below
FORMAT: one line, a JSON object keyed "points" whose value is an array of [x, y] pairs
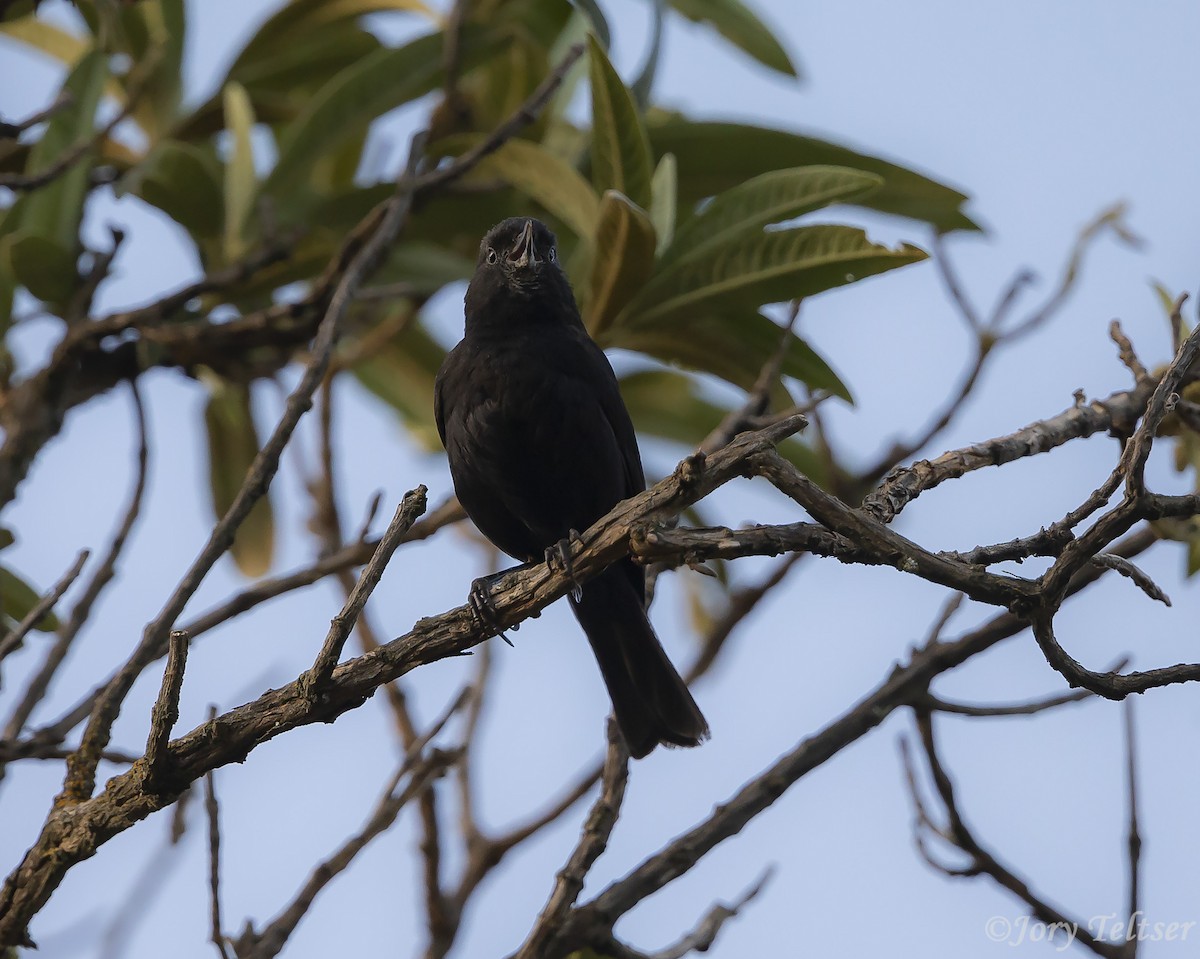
{"points": [[482, 607], [558, 556]]}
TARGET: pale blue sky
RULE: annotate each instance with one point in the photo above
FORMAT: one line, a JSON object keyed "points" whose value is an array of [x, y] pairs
{"points": [[1044, 113]]}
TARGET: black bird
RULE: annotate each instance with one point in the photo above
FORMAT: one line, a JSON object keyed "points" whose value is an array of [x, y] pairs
{"points": [[540, 446]]}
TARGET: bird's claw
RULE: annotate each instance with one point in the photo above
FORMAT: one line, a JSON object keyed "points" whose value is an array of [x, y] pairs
{"points": [[484, 610], [559, 556]]}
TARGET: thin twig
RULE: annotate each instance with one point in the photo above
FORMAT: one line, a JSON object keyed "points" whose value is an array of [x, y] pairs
{"points": [[212, 811], [10, 131], [135, 88], [1131, 572], [1127, 354], [592, 842], [39, 684], [420, 770], [1134, 842], [1030, 708], [981, 860], [42, 608], [410, 508], [81, 768], [702, 938]]}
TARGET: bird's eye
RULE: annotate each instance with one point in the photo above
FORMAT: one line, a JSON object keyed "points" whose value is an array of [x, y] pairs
{"points": [[553, 254], [492, 256]]}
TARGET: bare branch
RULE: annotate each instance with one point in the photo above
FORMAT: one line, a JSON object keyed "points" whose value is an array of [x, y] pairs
{"points": [[903, 685], [39, 685], [166, 707], [1112, 684], [211, 809], [419, 770], [1110, 219], [81, 768], [1030, 708], [1116, 413], [1128, 570], [1127, 354], [702, 938], [345, 558], [1134, 842], [981, 860], [410, 508], [593, 841]]}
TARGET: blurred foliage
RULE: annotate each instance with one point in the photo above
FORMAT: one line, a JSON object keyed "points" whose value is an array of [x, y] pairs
{"points": [[676, 232]]}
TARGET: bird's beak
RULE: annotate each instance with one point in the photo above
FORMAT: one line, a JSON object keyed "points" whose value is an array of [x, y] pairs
{"points": [[523, 253]]}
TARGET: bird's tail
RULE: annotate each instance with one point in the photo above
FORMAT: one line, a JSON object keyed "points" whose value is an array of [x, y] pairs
{"points": [[651, 702]]}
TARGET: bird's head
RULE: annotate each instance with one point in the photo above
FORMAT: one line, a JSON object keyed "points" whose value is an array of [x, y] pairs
{"points": [[518, 263]]}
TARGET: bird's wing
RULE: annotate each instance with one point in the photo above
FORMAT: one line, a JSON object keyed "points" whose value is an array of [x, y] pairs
{"points": [[439, 412], [608, 395]]}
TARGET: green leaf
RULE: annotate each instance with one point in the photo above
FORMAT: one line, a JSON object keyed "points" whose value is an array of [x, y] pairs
{"points": [[54, 42], [40, 265], [540, 175], [426, 267], [54, 211], [644, 84], [733, 346], [749, 207], [160, 28], [6, 537], [737, 24], [402, 373], [591, 12], [622, 260], [716, 156], [305, 62], [621, 158], [182, 180], [663, 187], [766, 268], [669, 405], [301, 19], [240, 179], [232, 446], [373, 86], [17, 599]]}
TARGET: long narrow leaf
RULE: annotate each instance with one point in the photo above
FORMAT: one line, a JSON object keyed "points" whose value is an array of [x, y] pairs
{"points": [[541, 176], [766, 268], [732, 345], [770, 198], [716, 156], [737, 24], [232, 446], [621, 158], [378, 83], [241, 182], [663, 189], [622, 260]]}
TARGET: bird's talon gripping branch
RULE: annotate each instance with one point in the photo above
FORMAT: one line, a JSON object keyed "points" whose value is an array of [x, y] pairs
{"points": [[559, 556], [482, 607]]}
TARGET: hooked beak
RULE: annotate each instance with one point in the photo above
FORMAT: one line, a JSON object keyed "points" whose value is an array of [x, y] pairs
{"points": [[523, 253]]}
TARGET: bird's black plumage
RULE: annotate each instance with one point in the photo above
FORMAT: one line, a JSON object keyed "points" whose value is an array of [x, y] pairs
{"points": [[540, 444]]}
